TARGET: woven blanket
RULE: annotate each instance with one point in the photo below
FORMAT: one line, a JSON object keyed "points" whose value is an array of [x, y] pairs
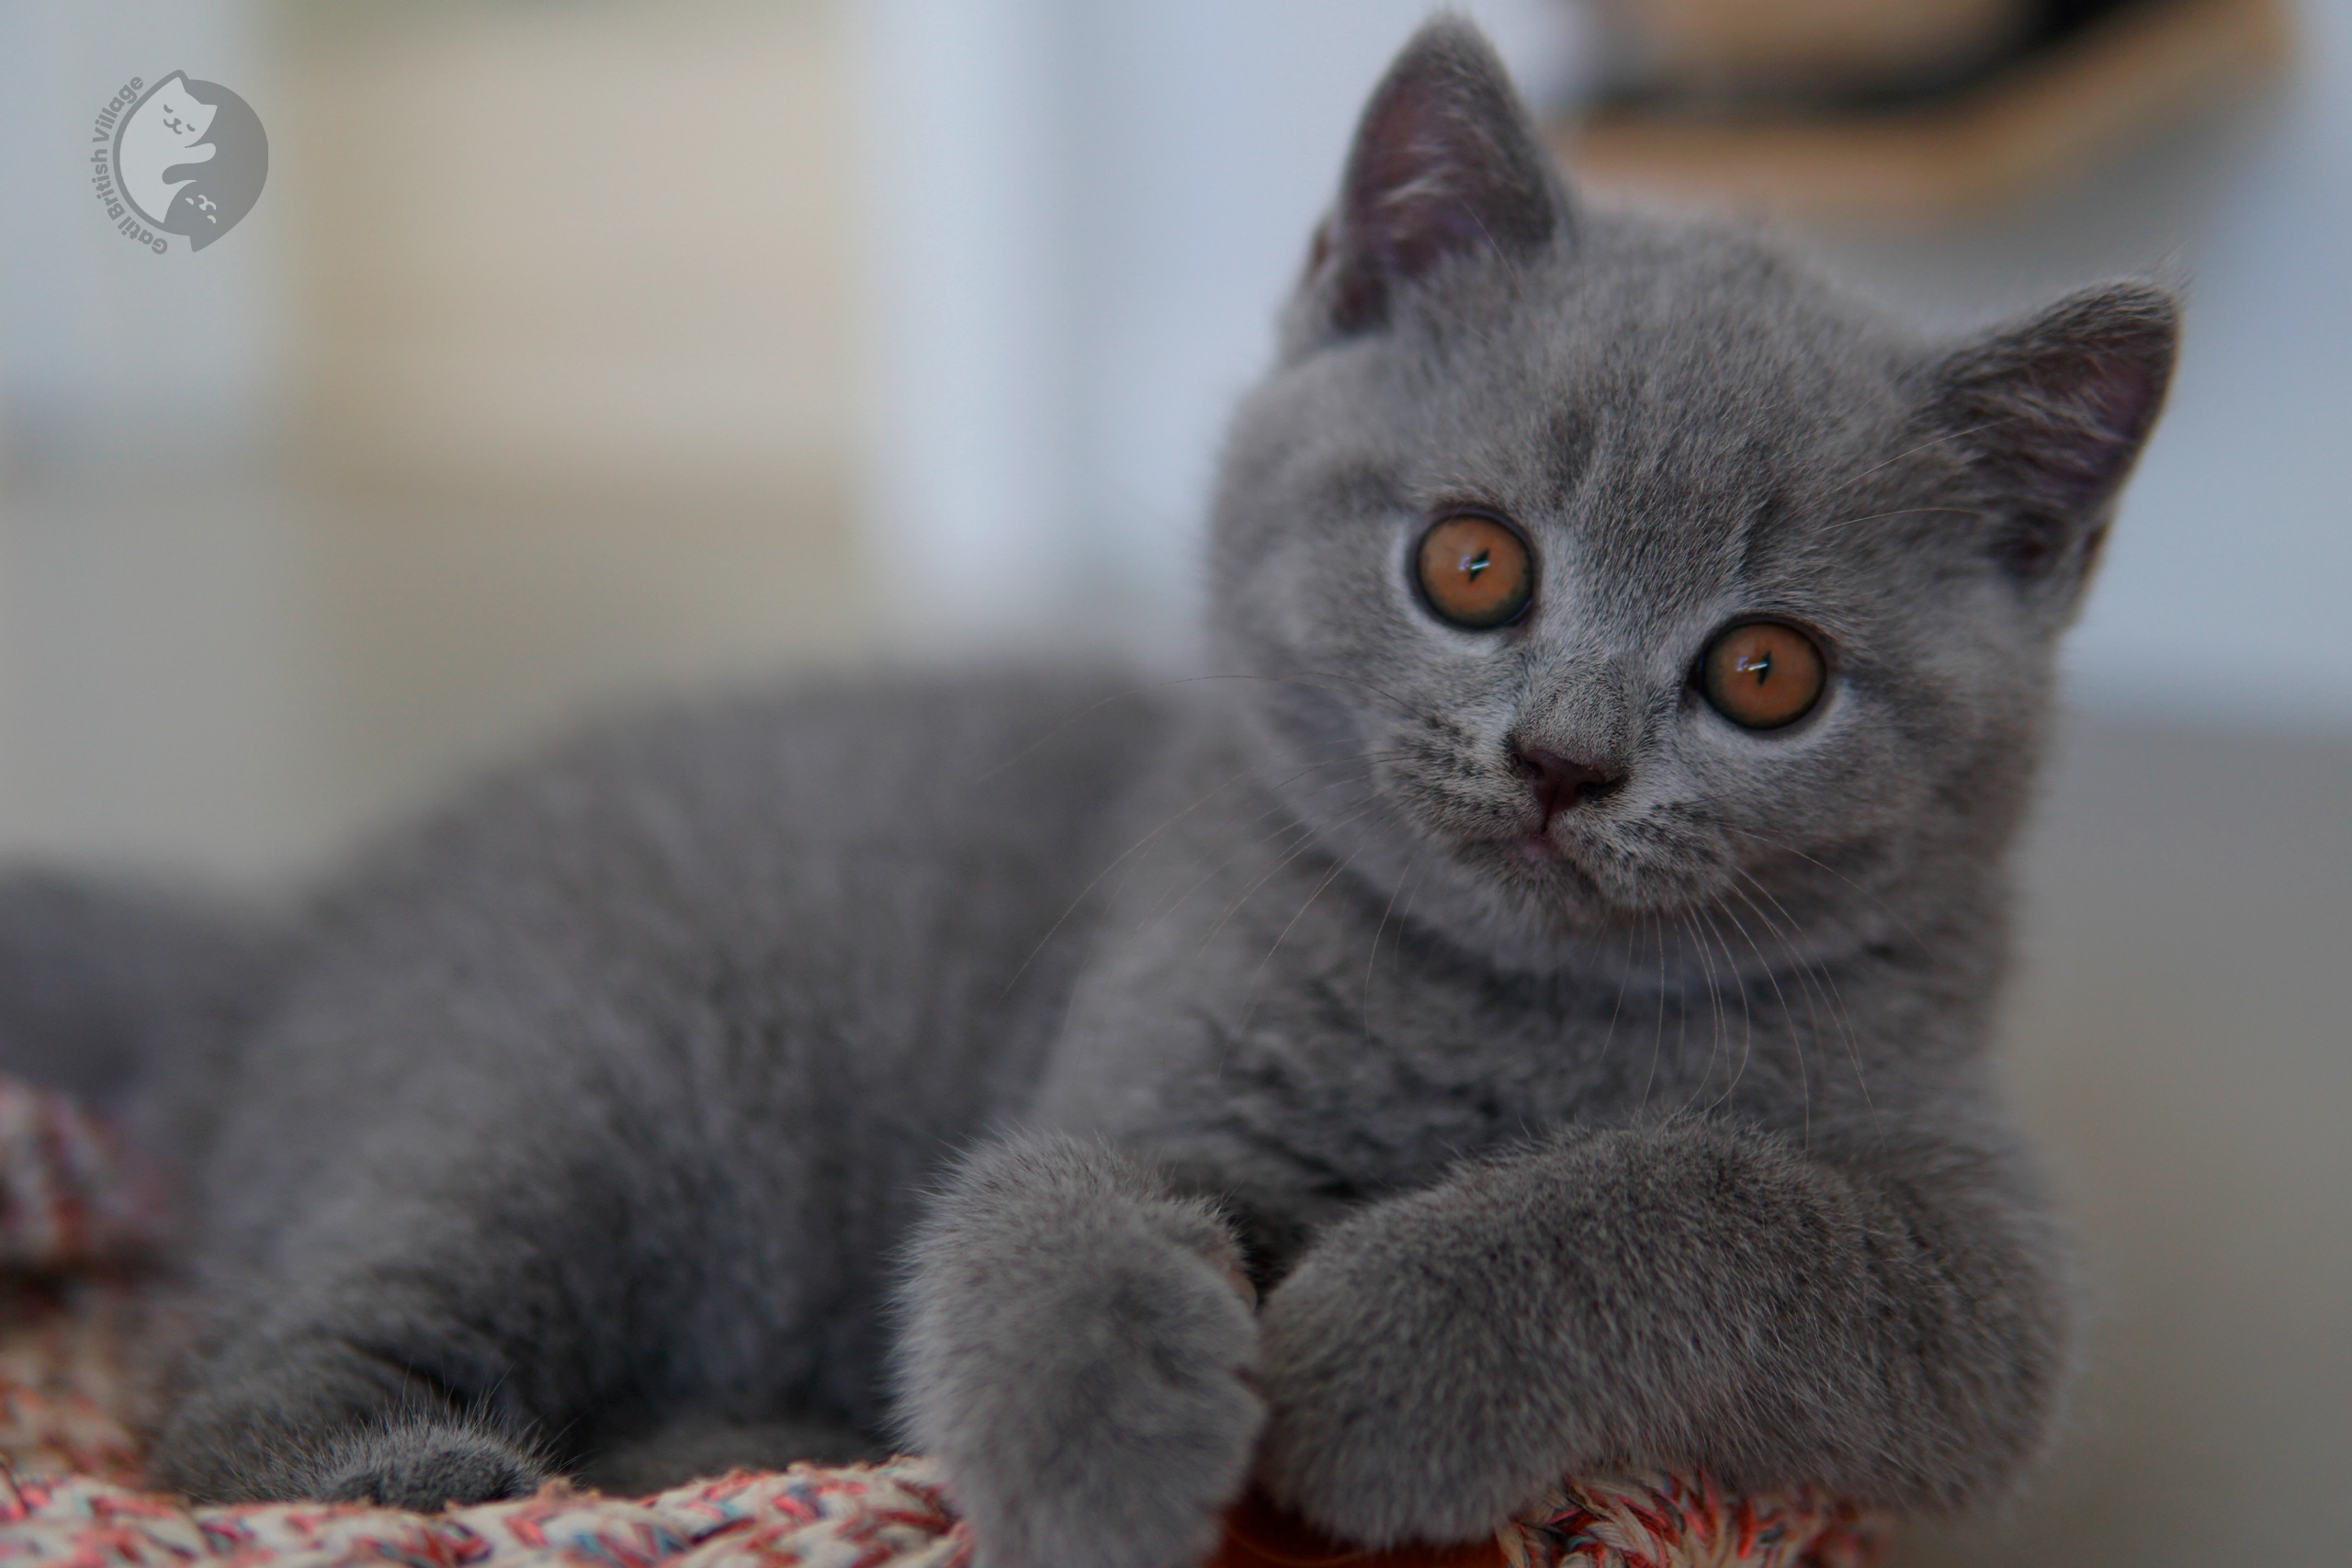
{"points": [[70, 1495]]}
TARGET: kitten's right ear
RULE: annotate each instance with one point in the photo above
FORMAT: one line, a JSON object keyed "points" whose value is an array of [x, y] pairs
{"points": [[2054, 411], [1446, 161]]}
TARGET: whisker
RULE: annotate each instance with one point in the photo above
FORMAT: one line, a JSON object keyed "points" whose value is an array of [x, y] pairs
{"points": [[1145, 841], [1658, 1038], [1746, 1015], [1883, 907], [1255, 975], [1071, 723], [1300, 833], [1235, 907], [1788, 1014], [1377, 931], [1624, 975], [1434, 721], [1291, 825], [1838, 1007], [1715, 1002], [1913, 451], [1902, 512], [1404, 921]]}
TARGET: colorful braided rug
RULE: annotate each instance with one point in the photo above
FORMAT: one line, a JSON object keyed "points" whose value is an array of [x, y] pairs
{"points": [[71, 1493]]}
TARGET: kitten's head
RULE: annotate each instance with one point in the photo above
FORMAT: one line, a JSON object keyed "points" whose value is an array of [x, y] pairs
{"points": [[1602, 571]]}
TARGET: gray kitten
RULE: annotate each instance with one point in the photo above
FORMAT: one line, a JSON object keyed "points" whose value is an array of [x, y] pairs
{"points": [[1530, 1018]]}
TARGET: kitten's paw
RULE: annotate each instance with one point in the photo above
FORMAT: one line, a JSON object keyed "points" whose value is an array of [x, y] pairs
{"points": [[242, 1441], [1105, 1418], [1395, 1414], [425, 1463]]}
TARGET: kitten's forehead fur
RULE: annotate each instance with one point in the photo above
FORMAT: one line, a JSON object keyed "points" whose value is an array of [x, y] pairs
{"points": [[1690, 429]]}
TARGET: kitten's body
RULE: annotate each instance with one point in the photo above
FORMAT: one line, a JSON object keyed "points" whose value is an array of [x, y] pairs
{"points": [[678, 1017], [1650, 1128]]}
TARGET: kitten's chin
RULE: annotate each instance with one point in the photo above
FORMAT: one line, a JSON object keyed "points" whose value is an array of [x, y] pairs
{"points": [[1560, 901], [1543, 883], [1522, 903], [1536, 850]]}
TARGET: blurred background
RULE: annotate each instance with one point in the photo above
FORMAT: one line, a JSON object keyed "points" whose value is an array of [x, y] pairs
{"points": [[577, 353]]}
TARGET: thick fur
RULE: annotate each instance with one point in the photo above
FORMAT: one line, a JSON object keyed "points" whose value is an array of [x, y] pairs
{"points": [[1123, 1310], [624, 1097], [595, 1104]]}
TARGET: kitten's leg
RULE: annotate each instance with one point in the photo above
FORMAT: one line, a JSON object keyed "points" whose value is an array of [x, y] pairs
{"points": [[321, 1417], [422, 1363], [1697, 1294], [1080, 1355]]}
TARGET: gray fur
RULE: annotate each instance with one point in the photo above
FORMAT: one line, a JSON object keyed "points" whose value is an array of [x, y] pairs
{"points": [[94, 978], [607, 1104], [1080, 1355]]}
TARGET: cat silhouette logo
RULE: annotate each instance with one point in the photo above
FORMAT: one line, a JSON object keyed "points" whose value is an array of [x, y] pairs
{"points": [[188, 157]]}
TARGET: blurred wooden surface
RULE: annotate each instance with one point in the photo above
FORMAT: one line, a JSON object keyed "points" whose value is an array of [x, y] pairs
{"points": [[1727, 45], [2050, 116]]}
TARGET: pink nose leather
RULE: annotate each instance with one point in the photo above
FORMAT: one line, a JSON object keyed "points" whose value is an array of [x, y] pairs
{"points": [[1562, 784]]}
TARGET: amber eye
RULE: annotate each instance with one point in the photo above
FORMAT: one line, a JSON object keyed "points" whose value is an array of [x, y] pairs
{"points": [[1763, 675], [1475, 571]]}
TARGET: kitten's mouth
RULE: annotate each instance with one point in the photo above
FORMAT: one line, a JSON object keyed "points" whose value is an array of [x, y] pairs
{"points": [[1570, 882], [1536, 861]]}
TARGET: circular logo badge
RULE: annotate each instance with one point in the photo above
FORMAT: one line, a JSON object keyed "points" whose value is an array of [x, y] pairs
{"points": [[189, 157]]}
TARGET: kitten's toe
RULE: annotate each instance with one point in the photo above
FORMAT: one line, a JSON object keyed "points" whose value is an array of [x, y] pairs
{"points": [[426, 1464]]}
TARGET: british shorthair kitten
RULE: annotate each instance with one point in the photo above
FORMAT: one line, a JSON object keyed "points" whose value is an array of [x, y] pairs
{"points": [[1529, 1016]]}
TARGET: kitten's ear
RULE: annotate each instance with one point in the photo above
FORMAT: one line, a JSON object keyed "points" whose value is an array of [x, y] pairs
{"points": [[2056, 410], [1446, 160]]}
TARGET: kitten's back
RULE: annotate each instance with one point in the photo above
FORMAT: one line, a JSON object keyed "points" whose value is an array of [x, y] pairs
{"points": [[828, 910]]}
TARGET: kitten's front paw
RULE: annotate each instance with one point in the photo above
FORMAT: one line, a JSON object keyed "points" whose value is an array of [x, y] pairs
{"points": [[1397, 1410], [1101, 1418], [425, 1463]]}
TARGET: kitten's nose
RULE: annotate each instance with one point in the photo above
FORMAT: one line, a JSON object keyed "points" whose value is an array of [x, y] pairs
{"points": [[1560, 783]]}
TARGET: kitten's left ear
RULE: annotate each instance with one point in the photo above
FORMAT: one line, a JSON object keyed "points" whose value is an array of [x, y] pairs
{"points": [[2056, 410], [1446, 161]]}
